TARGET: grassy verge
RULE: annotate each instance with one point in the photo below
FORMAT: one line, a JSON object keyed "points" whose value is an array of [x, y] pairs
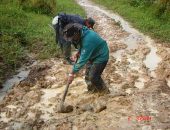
{"points": [[142, 17], [24, 30], [69, 6]]}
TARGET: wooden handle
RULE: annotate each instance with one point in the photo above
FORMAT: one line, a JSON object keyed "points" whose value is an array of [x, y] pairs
{"points": [[65, 92]]}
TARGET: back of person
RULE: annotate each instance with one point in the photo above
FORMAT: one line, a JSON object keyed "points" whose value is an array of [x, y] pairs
{"points": [[97, 47], [59, 22], [65, 19]]}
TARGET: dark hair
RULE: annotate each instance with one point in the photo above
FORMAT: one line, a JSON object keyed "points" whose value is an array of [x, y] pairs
{"points": [[91, 21], [71, 29]]}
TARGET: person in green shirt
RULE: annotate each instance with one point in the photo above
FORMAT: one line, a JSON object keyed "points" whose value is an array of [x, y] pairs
{"points": [[93, 51]]}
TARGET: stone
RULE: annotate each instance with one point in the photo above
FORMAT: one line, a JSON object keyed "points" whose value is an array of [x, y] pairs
{"points": [[99, 106], [86, 107]]}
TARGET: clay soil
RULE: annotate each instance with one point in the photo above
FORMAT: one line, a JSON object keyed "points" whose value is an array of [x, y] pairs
{"points": [[138, 100]]}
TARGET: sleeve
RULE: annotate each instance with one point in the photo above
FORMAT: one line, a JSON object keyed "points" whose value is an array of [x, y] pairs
{"points": [[85, 55]]}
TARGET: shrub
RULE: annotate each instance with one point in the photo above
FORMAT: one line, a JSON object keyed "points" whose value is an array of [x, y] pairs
{"points": [[11, 51], [163, 7], [137, 3], [47, 7]]}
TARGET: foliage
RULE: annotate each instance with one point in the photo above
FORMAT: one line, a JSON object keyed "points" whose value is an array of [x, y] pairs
{"points": [[47, 7], [161, 6], [69, 6], [22, 30], [137, 3], [146, 18], [11, 51]]}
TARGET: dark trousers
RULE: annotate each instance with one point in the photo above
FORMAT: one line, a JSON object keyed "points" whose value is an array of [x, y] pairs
{"points": [[64, 45], [93, 76]]}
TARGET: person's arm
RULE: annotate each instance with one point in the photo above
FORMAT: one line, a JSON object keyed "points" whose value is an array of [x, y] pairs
{"points": [[85, 55], [75, 57]]}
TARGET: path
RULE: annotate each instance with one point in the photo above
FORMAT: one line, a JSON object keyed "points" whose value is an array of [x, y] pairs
{"points": [[139, 98]]}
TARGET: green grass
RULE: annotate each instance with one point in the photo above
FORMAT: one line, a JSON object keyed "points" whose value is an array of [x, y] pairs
{"points": [[24, 31], [69, 6], [143, 18]]}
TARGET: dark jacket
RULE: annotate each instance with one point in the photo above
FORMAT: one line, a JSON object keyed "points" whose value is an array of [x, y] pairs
{"points": [[65, 19], [93, 48]]}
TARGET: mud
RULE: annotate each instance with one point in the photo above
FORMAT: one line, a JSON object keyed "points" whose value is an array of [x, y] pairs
{"points": [[139, 94]]}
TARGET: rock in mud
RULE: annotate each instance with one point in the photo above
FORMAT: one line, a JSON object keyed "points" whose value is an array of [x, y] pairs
{"points": [[86, 107], [99, 106]]}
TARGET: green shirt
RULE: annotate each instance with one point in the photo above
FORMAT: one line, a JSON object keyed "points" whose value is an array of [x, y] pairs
{"points": [[93, 48]]}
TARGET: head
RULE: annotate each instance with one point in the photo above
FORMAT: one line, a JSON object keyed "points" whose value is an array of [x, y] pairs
{"points": [[89, 22], [72, 33]]}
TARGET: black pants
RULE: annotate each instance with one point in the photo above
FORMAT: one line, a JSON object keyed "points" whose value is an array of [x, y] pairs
{"points": [[93, 76], [64, 45]]}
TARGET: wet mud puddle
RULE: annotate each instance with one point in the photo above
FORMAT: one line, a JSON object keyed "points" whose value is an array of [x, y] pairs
{"points": [[139, 98], [22, 74]]}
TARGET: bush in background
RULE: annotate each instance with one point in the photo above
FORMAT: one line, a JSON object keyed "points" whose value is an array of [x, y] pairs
{"points": [[47, 7], [137, 3], [11, 51], [163, 8], [159, 7]]}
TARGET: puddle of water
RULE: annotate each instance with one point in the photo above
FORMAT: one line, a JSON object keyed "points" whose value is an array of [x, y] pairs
{"points": [[15, 79], [132, 41], [133, 65], [22, 74], [152, 59]]}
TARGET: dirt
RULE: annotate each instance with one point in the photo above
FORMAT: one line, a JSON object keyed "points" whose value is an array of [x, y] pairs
{"points": [[139, 98]]}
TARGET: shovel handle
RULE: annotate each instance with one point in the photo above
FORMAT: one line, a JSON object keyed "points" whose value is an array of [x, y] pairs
{"points": [[65, 92]]}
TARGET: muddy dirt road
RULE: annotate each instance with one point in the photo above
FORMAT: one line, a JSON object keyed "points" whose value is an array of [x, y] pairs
{"points": [[138, 76]]}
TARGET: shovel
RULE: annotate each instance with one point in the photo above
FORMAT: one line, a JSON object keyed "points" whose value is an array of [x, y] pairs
{"points": [[62, 108]]}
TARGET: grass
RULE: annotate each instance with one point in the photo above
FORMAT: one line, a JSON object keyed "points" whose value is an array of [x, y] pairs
{"points": [[143, 18], [69, 6], [24, 31]]}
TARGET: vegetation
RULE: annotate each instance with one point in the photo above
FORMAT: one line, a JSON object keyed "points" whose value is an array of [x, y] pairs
{"points": [[39, 6], [25, 28], [149, 16]]}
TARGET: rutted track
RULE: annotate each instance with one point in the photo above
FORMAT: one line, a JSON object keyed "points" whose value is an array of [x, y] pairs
{"points": [[136, 90]]}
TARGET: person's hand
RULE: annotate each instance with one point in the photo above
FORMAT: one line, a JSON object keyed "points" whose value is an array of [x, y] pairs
{"points": [[75, 57], [70, 78]]}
